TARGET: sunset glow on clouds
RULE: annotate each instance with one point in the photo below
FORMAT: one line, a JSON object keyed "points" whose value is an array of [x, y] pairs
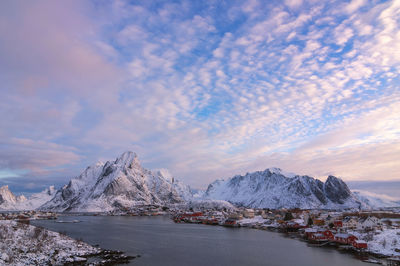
{"points": [[207, 89]]}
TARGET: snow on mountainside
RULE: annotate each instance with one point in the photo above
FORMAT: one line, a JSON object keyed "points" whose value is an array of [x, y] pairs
{"points": [[373, 200], [272, 189], [38, 199], [119, 184], [183, 190], [8, 201]]}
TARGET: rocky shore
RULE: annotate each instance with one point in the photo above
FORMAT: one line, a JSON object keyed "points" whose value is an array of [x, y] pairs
{"points": [[24, 244]]}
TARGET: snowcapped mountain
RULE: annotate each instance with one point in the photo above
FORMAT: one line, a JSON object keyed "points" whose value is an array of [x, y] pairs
{"points": [[183, 190], [8, 201], [38, 199], [273, 189], [119, 184]]}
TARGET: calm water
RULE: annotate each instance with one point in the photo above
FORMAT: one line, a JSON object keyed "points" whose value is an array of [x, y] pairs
{"points": [[160, 241]]}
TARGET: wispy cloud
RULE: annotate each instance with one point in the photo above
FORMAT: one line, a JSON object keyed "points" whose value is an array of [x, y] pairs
{"points": [[206, 90]]}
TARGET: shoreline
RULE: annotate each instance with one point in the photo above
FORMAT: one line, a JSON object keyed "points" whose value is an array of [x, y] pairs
{"points": [[25, 244], [361, 254], [101, 257]]}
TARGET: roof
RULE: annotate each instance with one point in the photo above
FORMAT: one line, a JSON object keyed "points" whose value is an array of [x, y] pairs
{"points": [[349, 218], [342, 235], [363, 219], [310, 230], [360, 242]]}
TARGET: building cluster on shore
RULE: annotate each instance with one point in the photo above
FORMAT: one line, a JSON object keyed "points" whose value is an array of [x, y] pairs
{"points": [[28, 215], [362, 232], [375, 233]]}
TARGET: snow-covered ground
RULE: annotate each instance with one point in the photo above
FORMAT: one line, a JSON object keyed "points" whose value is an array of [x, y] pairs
{"points": [[386, 242], [251, 221], [22, 244]]}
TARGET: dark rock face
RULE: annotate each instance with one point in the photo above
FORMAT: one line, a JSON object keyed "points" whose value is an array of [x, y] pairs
{"points": [[336, 190], [318, 191]]}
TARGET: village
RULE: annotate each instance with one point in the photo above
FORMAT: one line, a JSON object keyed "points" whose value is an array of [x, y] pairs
{"points": [[374, 235]]}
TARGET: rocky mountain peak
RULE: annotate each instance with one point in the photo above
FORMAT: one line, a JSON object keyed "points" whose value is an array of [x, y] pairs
{"points": [[4, 189], [128, 160], [119, 184], [336, 190], [50, 190], [6, 195], [274, 188]]}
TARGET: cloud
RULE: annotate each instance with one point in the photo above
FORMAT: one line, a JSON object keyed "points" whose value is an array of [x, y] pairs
{"points": [[353, 6], [206, 90], [33, 155], [47, 48], [293, 3]]}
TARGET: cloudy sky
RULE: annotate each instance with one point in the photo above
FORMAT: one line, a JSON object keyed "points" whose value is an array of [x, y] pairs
{"points": [[207, 89]]}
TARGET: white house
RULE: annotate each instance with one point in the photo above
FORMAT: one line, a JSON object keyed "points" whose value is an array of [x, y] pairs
{"points": [[350, 222], [369, 222]]}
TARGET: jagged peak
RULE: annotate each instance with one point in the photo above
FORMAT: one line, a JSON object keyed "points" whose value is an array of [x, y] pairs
{"points": [[275, 170], [165, 173], [6, 194], [49, 190], [128, 159], [21, 198], [4, 188], [279, 171], [333, 179]]}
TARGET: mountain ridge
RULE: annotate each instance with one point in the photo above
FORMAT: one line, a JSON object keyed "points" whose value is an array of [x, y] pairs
{"points": [[123, 184], [119, 184], [272, 189], [9, 201]]}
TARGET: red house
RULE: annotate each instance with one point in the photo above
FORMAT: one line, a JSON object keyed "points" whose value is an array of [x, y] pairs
{"points": [[193, 214], [318, 237], [309, 232], [338, 223], [328, 234], [231, 223], [345, 238], [360, 244]]}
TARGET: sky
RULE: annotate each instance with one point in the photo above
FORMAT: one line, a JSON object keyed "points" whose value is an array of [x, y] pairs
{"points": [[206, 89]]}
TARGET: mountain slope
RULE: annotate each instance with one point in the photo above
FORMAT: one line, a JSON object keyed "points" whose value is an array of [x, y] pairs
{"points": [[369, 199], [272, 189], [119, 184], [38, 199], [183, 190]]}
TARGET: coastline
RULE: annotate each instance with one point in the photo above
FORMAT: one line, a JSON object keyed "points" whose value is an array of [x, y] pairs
{"points": [[82, 253], [25, 244], [364, 255]]}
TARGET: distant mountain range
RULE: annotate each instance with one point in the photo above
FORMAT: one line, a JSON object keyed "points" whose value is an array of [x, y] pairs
{"points": [[275, 189], [8, 201], [124, 184]]}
